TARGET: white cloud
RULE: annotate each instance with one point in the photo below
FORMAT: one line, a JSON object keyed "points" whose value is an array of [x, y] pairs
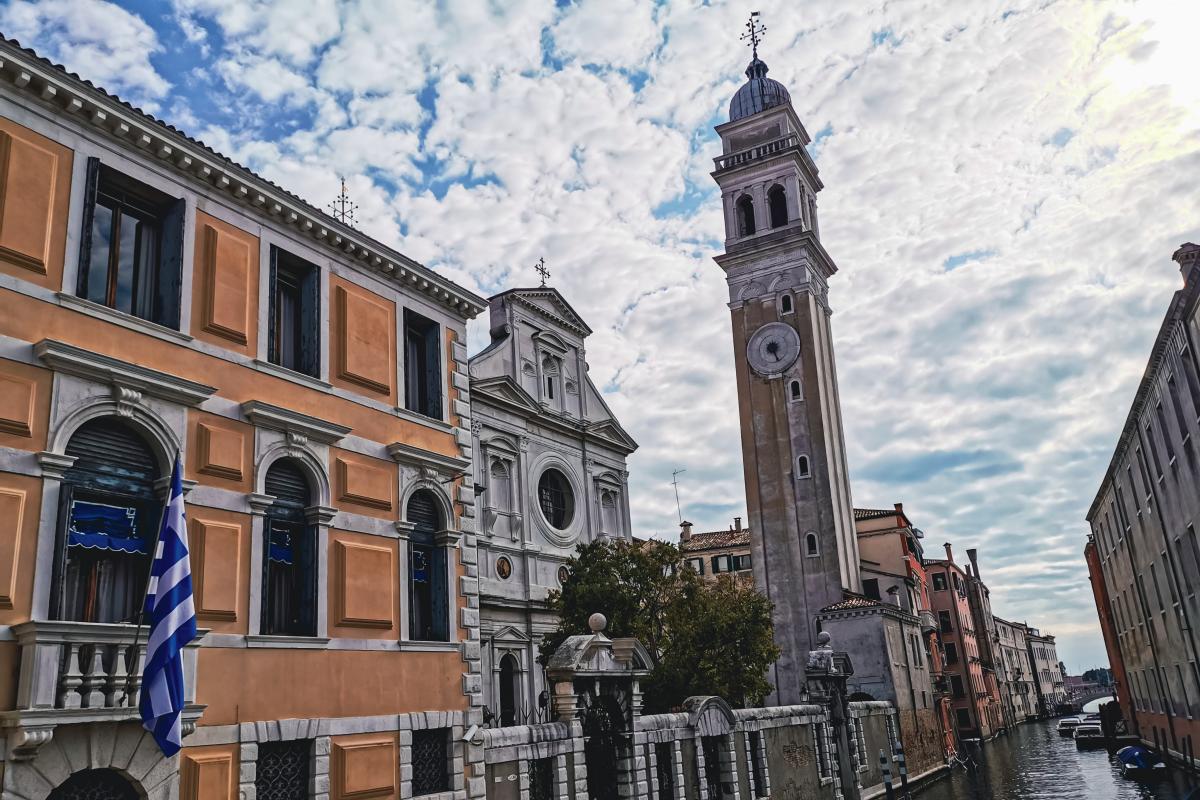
{"points": [[1046, 147]]}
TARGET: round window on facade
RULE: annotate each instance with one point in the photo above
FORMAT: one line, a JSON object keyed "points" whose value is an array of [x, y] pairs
{"points": [[556, 499], [503, 567]]}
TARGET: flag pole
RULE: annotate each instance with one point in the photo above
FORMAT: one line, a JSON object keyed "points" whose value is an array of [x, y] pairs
{"points": [[137, 636]]}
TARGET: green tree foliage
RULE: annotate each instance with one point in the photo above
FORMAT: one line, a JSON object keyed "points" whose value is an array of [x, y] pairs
{"points": [[704, 638]]}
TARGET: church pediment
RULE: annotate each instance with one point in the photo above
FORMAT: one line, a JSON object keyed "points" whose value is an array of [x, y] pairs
{"points": [[504, 390], [551, 305], [610, 431], [510, 635]]}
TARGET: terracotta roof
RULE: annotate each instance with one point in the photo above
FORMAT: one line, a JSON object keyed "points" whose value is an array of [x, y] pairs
{"points": [[464, 298], [873, 513], [851, 601], [714, 540]]}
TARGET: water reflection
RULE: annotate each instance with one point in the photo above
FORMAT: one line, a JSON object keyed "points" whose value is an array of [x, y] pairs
{"points": [[1035, 763]]}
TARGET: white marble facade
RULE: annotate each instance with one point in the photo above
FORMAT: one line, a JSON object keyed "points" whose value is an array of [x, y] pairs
{"points": [[549, 461]]}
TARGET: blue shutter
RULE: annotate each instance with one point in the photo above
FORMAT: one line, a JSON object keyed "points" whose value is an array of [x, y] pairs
{"points": [[310, 323], [170, 267], [433, 371]]}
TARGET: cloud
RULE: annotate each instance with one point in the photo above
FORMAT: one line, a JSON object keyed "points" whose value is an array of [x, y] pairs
{"points": [[1004, 187]]}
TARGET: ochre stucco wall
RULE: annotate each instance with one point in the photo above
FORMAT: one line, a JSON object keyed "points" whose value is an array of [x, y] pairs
{"points": [[35, 188]]}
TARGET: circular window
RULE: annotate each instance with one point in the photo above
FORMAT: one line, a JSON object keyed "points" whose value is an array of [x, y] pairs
{"points": [[503, 567], [556, 499], [563, 574]]}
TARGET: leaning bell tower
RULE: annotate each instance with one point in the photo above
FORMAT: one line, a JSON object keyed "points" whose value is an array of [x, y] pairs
{"points": [[804, 546]]}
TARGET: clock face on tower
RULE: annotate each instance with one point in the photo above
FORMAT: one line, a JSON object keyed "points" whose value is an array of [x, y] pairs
{"points": [[773, 348]]}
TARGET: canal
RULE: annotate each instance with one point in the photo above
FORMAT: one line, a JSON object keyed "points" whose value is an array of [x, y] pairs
{"points": [[1035, 763]]}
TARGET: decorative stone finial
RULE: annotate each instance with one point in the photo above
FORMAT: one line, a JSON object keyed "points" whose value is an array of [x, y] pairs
{"points": [[597, 622], [823, 639]]}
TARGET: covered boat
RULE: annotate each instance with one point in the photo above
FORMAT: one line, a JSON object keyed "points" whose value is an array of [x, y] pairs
{"points": [[1067, 726], [1140, 762], [1088, 735]]}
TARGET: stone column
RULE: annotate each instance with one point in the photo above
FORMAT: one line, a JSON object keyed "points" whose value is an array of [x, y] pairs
{"points": [[829, 670]]}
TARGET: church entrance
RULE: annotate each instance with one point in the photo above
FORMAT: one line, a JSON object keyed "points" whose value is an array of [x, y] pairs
{"points": [[95, 784]]}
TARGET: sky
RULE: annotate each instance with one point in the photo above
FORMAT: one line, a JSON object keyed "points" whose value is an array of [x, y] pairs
{"points": [[1005, 181]]}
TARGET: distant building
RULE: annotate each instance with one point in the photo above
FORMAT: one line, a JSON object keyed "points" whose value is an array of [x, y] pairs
{"points": [[968, 690], [1143, 524], [986, 638], [717, 553], [1047, 671], [1014, 670]]}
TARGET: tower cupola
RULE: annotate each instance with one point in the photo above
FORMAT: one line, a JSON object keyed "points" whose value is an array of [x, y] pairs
{"points": [[758, 93]]}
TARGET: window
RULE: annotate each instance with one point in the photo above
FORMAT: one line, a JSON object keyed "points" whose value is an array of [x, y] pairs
{"points": [[429, 614], [720, 564], [939, 581], [1166, 435], [430, 761], [131, 254], [293, 333], [696, 565], [1189, 374], [745, 216], [422, 365], [944, 619], [795, 393], [956, 689], [812, 547], [871, 588], [757, 774], [1153, 445], [107, 522], [802, 467], [777, 205], [289, 563], [550, 377], [664, 766], [742, 563], [951, 653], [556, 499], [785, 304], [281, 770], [510, 689]]}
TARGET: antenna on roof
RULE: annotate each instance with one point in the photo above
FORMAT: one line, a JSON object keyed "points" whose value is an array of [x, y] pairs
{"points": [[675, 482], [541, 269], [342, 209], [755, 31]]}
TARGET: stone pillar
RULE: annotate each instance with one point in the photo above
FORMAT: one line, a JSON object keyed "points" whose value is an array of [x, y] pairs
{"points": [[828, 671]]}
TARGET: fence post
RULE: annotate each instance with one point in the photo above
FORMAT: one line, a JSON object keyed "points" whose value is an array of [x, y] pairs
{"points": [[886, 764]]}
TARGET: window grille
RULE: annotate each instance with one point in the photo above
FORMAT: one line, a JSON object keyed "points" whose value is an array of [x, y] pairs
{"points": [[712, 764], [94, 784], [430, 761], [753, 743], [541, 779], [665, 767], [281, 772]]}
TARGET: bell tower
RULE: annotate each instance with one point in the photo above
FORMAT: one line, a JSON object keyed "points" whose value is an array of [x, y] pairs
{"points": [[804, 546]]}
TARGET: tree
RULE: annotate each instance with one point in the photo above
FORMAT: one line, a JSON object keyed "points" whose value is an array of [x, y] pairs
{"points": [[704, 638]]}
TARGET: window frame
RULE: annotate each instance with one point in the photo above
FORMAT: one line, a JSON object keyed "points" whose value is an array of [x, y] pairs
{"points": [[296, 270], [424, 366]]}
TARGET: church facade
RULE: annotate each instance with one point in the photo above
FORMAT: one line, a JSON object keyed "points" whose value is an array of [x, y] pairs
{"points": [[549, 460]]}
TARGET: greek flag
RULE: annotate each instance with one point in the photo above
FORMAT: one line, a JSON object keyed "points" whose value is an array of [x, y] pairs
{"points": [[172, 625]]}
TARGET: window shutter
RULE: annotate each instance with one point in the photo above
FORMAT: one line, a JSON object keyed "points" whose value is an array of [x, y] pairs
{"points": [[170, 267], [310, 323], [306, 592], [433, 371], [440, 590], [66, 494], [272, 308], [111, 457], [424, 516], [89, 213]]}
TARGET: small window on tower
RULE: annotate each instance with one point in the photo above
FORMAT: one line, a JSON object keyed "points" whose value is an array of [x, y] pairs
{"points": [[785, 304], [802, 470], [795, 393], [777, 203], [745, 216], [811, 547]]}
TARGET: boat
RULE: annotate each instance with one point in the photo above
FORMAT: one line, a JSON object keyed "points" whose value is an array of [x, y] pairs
{"points": [[1088, 735], [1067, 725], [1140, 763]]}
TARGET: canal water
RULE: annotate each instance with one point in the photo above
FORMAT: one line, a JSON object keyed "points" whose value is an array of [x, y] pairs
{"points": [[1035, 763]]}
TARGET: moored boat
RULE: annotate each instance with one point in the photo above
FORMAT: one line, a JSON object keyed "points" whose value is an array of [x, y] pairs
{"points": [[1088, 735], [1067, 725], [1140, 763]]}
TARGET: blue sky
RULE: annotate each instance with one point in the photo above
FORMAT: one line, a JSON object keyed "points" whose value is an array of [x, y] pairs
{"points": [[1005, 183]]}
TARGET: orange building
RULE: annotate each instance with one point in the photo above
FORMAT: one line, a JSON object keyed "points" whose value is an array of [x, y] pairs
{"points": [[1108, 628], [969, 692], [159, 299]]}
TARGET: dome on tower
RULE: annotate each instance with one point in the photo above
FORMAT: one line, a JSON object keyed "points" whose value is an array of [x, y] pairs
{"points": [[758, 93]]}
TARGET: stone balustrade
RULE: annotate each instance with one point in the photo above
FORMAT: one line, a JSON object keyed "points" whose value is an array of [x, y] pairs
{"points": [[758, 151]]}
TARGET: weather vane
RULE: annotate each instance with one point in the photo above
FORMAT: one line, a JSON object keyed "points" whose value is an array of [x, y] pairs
{"points": [[541, 269], [342, 209], [754, 32]]}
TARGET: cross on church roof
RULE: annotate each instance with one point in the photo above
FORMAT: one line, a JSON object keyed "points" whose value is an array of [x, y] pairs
{"points": [[755, 30], [542, 270]]}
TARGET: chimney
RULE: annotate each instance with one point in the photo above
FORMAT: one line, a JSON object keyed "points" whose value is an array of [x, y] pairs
{"points": [[899, 513], [949, 552], [737, 523], [685, 531], [1188, 258], [971, 554]]}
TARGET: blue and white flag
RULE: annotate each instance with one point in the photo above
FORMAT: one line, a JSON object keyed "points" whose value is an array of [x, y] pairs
{"points": [[172, 625]]}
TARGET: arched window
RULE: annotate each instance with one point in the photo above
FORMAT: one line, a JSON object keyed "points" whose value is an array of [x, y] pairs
{"points": [[785, 304], [510, 689], [811, 546], [429, 615], [802, 470], [745, 216], [289, 560], [108, 517], [812, 215], [795, 392], [499, 490], [95, 784], [777, 204], [550, 378]]}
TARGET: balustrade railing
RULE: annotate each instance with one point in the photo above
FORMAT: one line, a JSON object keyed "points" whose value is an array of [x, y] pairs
{"points": [[758, 151]]}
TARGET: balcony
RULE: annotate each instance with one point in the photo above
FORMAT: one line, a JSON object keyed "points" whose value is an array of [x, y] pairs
{"points": [[929, 622], [82, 672], [758, 151]]}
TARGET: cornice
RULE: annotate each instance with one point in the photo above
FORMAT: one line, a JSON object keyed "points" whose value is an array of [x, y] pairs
{"points": [[131, 378], [446, 465], [265, 415], [51, 87]]}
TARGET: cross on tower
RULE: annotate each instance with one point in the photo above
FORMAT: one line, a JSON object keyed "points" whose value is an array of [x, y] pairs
{"points": [[754, 32], [542, 270]]}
